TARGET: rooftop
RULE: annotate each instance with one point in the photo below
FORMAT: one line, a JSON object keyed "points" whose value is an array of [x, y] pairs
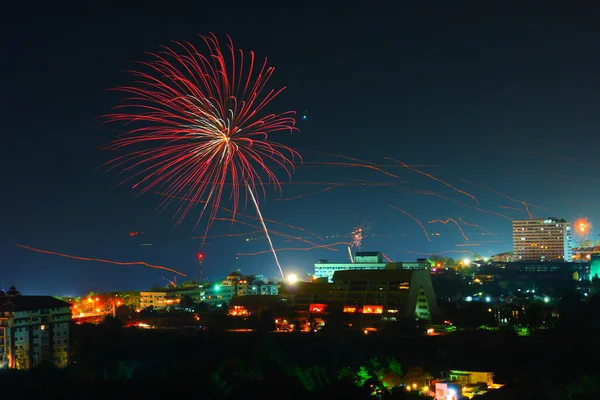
{"points": [[30, 303]]}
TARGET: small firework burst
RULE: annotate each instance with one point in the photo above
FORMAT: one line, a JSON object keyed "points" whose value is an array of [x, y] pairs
{"points": [[358, 234]]}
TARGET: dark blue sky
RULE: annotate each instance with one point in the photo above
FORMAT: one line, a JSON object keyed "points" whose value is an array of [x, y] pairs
{"points": [[503, 98]]}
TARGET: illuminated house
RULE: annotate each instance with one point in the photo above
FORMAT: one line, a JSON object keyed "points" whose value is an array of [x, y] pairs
{"points": [[33, 329], [363, 260], [390, 293], [542, 240]]}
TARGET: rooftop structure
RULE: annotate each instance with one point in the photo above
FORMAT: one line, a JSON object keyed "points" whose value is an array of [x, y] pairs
{"points": [[363, 260]]}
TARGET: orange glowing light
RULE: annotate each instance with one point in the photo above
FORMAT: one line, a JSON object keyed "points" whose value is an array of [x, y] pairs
{"points": [[349, 309], [582, 226], [372, 310], [317, 308]]}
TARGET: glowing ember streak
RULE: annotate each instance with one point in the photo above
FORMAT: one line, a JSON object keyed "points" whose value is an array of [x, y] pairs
{"points": [[414, 219], [311, 194], [453, 221], [284, 235], [526, 205], [250, 217], [262, 221], [100, 260], [199, 122], [474, 225], [435, 179], [415, 191], [350, 255]]}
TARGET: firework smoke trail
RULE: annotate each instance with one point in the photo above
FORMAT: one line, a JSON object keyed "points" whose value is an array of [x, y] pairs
{"points": [[350, 255], [414, 219], [262, 221], [202, 124], [145, 264]]}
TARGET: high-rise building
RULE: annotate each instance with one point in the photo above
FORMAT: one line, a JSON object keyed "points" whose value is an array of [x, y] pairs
{"points": [[33, 329], [542, 240]]}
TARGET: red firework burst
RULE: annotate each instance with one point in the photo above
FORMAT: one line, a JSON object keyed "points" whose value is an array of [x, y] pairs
{"points": [[199, 125]]}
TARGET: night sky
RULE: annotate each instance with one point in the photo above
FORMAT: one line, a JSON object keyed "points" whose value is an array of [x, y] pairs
{"points": [[506, 99]]}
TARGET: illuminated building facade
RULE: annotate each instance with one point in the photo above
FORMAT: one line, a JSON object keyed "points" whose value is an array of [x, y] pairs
{"points": [[390, 293], [363, 260], [33, 329], [542, 240], [595, 266]]}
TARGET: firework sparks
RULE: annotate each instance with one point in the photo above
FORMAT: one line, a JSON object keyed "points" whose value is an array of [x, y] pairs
{"points": [[454, 222], [202, 124], [145, 264], [414, 219]]}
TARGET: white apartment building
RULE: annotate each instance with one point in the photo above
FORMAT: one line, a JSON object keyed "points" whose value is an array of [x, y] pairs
{"points": [[547, 239], [33, 329]]}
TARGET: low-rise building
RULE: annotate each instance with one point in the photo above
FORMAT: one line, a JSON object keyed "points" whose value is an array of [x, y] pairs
{"points": [[33, 329], [364, 260]]}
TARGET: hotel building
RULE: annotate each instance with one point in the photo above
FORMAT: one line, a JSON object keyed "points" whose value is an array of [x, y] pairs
{"points": [[33, 329], [542, 240]]}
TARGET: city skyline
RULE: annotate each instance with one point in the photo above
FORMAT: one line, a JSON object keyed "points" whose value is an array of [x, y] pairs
{"points": [[474, 115]]}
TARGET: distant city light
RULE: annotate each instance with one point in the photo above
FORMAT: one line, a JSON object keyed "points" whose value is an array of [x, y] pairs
{"points": [[488, 299], [468, 298]]}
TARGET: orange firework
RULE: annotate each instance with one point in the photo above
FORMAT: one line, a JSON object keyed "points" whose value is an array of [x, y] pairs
{"points": [[145, 264], [582, 227]]}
